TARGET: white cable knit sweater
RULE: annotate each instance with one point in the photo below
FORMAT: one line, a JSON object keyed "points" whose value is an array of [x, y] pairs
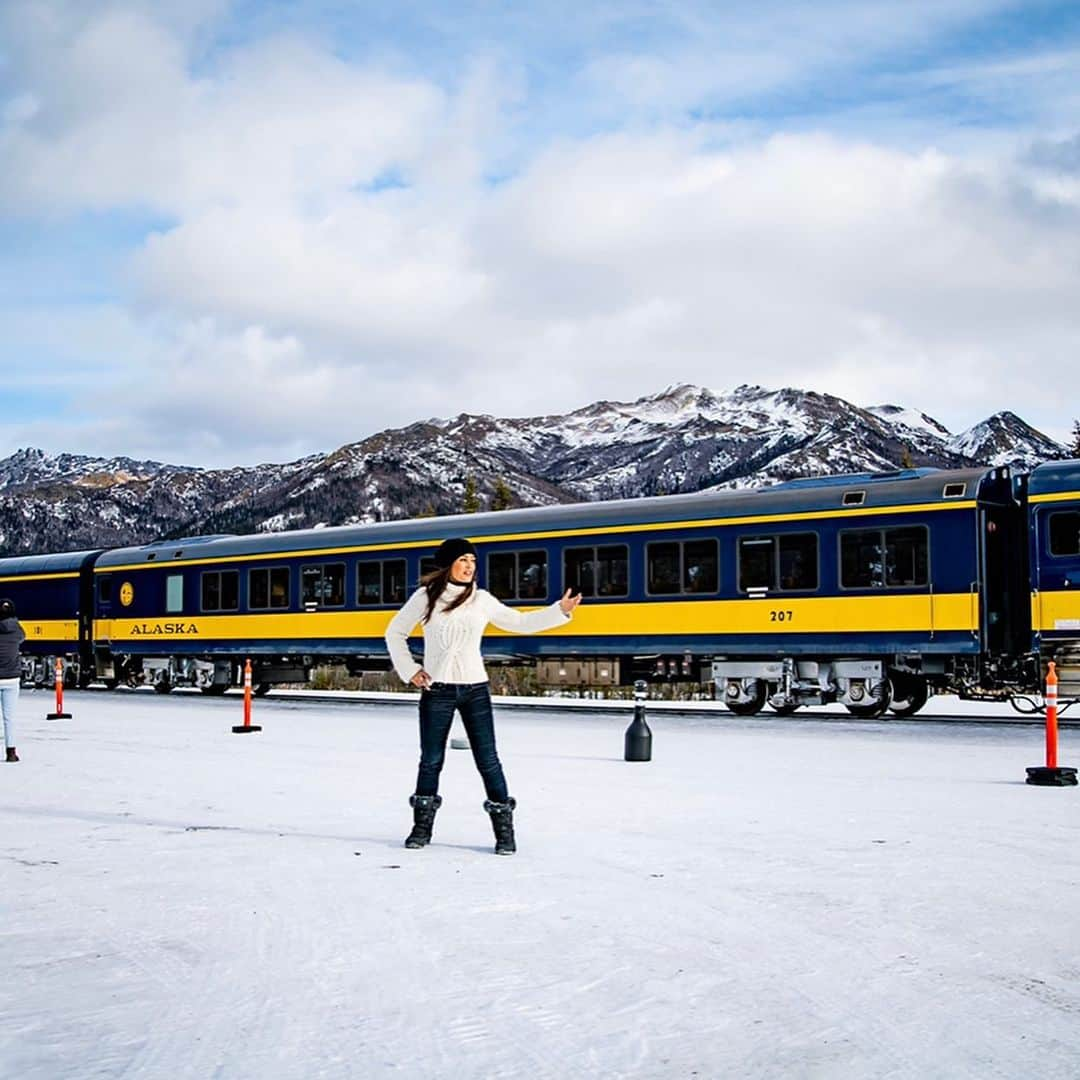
{"points": [[452, 642]]}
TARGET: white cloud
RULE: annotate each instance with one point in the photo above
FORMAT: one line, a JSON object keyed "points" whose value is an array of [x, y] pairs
{"points": [[298, 299], [115, 118]]}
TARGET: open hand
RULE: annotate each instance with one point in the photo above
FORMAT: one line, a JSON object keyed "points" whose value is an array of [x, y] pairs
{"points": [[568, 602]]}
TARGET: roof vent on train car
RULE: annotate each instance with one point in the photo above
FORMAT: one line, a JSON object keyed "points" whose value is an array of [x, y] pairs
{"points": [[152, 555], [954, 491], [190, 539], [853, 498], [176, 554], [849, 478]]}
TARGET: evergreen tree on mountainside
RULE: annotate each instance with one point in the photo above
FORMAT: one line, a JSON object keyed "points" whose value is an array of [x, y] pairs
{"points": [[906, 460], [503, 497], [470, 500], [1074, 446]]}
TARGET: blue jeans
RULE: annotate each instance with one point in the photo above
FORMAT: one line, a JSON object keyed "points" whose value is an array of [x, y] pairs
{"points": [[9, 696], [437, 707]]}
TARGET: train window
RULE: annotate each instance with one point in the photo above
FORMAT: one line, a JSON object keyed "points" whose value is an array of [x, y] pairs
{"points": [[323, 585], [798, 555], [682, 567], [597, 571], [663, 560], [104, 589], [613, 570], [854, 498], [532, 575], [380, 582], [221, 590], [369, 583], [860, 559], [787, 562], [906, 556], [874, 558], [1065, 533], [501, 574], [518, 575], [268, 588], [954, 491], [393, 581], [757, 562], [701, 566], [174, 593]]}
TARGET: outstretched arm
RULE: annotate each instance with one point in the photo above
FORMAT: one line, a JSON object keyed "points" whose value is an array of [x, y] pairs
{"points": [[531, 622]]}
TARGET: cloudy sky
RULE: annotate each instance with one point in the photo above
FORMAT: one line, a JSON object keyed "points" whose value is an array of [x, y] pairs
{"points": [[241, 232]]}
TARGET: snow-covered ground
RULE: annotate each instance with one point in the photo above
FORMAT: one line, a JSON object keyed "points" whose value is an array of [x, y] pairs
{"points": [[766, 898]]}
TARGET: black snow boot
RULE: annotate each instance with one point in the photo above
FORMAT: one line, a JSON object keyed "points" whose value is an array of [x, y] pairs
{"points": [[502, 821], [11, 755], [424, 807]]}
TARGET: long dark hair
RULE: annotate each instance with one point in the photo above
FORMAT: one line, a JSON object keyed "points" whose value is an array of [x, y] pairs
{"points": [[435, 581]]}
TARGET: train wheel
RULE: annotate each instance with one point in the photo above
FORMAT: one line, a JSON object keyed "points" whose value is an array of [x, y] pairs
{"points": [[785, 710], [262, 689], [163, 687], [908, 696], [215, 689], [868, 712], [110, 684], [749, 708]]}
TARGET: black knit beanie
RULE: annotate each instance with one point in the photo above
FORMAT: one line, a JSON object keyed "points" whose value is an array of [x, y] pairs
{"points": [[451, 550]]}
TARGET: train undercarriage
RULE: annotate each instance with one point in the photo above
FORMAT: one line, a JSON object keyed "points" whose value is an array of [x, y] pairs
{"points": [[901, 684]]}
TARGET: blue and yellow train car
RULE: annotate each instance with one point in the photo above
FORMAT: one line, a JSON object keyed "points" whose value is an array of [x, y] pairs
{"points": [[871, 589], [52, 596]]}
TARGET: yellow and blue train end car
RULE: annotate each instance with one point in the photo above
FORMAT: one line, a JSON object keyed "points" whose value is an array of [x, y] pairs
{"points": [[52, 596]]}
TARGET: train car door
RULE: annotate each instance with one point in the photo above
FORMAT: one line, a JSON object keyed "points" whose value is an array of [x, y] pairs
{"points": [[86, 614], [1004, 601], [104, 605], [1004, 604]]}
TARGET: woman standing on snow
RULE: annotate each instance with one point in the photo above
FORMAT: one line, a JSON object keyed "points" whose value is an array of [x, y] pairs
{"points": [[454, 613], [12, 636]]}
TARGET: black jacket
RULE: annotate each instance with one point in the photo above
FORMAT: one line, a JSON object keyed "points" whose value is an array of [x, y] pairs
{"points": [[12, 636]]}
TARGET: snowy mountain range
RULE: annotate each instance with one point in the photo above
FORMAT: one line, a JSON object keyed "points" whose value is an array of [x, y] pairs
{"points": [[685, 438]]}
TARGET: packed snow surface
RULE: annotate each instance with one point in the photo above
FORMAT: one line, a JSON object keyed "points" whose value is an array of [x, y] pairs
{"points": [[765, 898]]}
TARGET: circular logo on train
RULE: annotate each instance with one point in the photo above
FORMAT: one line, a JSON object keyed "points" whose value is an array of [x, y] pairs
{"points": [[127, 593]]}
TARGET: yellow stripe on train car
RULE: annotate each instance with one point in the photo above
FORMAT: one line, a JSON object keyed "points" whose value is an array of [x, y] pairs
{"points": [[1055, 610], [37, 577], [51, 629], [1055, 496], [776, 615]]}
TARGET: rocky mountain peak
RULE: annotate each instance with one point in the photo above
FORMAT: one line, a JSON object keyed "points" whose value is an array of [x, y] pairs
{"points": [[683, 438], [1005, 439]]}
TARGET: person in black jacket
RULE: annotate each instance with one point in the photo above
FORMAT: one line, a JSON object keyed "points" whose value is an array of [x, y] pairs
{"points": [[12, 636]]}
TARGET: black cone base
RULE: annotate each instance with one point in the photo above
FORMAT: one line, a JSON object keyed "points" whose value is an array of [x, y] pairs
{"points": [[243, 729], [637, 747], [58, 716], [1047, 777]]}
